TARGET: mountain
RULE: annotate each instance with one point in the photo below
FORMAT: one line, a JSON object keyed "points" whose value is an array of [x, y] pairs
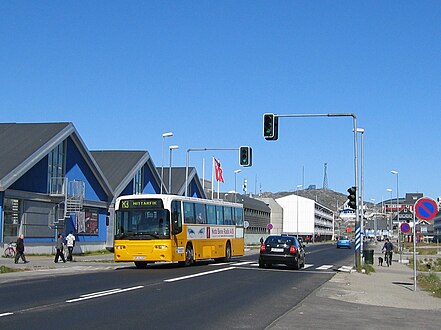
{"points": [[329, 198]]}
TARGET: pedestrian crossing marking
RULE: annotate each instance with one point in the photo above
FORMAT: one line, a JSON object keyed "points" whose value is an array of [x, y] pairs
{"points": [[324, 267], [306, 266]]}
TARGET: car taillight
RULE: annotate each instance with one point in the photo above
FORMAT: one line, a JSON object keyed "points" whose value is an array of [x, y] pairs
{"points": [[262, 248], [292, 249]]}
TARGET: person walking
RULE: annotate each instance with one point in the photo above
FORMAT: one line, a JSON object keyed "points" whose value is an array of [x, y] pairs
{"points": [[388, 248], [19, 249], [70, 242], [59, 247]]}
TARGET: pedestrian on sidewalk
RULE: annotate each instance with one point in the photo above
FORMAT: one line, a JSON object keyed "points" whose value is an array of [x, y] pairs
{"points": [[19, 249], [59, 247], [388, 247], [70, 242]]}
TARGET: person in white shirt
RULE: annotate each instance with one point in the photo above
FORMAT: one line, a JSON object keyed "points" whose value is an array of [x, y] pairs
{"points": [[70, 242]]}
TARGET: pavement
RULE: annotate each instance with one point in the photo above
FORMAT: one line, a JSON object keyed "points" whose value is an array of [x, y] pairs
{"points": [[382, 299]]}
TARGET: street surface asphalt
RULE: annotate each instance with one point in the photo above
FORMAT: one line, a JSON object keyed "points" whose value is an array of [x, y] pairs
{"points": [[384, 299]]}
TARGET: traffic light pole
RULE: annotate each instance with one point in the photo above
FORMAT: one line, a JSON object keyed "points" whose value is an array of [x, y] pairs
{"points": [[187, 160], [357, 216]]}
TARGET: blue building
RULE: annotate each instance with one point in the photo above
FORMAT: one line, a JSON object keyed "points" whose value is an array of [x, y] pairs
{"points": [[50, 184]]}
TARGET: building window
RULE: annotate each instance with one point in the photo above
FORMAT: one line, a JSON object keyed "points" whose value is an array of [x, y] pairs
{"points": [[56, 169], [11, 218], [138, 182]]}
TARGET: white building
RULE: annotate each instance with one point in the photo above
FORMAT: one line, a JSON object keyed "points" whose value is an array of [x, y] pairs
{"points": [[305, 217]]}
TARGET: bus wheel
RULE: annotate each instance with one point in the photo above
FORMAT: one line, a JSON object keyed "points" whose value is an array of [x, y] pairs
{"points": [[189, 255], [141, 264], [227, 252]]}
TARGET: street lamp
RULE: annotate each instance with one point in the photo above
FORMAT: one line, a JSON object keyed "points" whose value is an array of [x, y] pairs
{"points": [[398, 217], [171, 148], [297, 193], [164, 135], [391, 226], [361, 131], [235, 190], [375, 218]]}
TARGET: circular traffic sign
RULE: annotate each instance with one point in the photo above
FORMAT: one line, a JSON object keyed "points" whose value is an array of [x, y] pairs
{"points": [[426, 208], [405, 227], [269, 226], [246, 224]]}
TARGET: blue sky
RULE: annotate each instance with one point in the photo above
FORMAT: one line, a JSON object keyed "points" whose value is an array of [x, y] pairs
{"points": [[126, 72]]}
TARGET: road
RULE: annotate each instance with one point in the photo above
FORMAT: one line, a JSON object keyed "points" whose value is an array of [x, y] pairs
{"points": [[166, 296]]}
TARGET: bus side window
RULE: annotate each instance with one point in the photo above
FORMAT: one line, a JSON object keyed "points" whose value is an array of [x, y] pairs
{"points": [[219, 215], [228, 216], [211, 214], [238, 216], [189, 213], [200, 213], [176, 217]]}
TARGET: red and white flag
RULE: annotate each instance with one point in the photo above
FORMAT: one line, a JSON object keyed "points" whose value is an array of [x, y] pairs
{"points": [[218, 170]]}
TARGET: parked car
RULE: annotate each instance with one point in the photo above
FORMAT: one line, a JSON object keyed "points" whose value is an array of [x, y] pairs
{"points": [[344, 241], [282, 249]]}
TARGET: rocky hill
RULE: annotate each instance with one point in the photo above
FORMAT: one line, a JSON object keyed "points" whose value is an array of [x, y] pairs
{"points": [[329, 198]]}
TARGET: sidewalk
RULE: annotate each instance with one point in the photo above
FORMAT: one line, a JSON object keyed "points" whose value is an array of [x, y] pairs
{"points": [[381, 300]]}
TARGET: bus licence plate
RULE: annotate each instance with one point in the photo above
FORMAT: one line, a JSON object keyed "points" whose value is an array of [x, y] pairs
{"points": [[139, 257]]}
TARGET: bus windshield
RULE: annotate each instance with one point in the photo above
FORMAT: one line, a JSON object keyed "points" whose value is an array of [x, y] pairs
{"points": [[142, 224]]}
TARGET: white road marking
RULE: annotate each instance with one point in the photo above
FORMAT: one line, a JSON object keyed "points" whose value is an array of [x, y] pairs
{"points": [[243, 263], [324, 267], [6, 314], [103, 293], [308, 265], [198, 274]]}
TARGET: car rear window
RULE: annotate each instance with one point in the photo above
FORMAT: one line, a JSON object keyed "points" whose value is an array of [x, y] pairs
{"points": [[280, 240]]}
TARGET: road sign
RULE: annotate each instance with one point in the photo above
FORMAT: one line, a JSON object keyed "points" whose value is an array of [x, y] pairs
{"points": [[426, 208], [246, 224], [269, 226], [405, 227]]}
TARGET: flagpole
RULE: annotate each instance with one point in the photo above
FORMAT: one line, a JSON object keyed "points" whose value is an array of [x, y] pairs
{"points": [[212, 177], [203, 175]]}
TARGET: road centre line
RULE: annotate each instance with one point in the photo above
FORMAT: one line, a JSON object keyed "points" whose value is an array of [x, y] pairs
{"points": [[198, 274], [6, 314], [103, 293]]}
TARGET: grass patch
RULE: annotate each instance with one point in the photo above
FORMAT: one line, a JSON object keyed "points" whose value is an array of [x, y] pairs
{"points": [[430, 283], [93, 253], [5, 269], [366, 268], [427, 251], [427, 264]]}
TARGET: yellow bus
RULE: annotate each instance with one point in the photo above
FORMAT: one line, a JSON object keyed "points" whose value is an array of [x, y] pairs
{"points": [[169, 228]]}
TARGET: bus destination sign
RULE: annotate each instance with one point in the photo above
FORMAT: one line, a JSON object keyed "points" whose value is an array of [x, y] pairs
{"points": [[141, 204]]}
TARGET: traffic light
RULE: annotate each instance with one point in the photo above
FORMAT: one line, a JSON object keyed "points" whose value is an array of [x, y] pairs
{"points": [[245, 156], [352, 198], [270, 126]]}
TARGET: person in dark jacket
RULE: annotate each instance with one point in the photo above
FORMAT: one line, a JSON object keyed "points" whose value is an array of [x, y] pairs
{"points": [[19, 249], [59, 247]]}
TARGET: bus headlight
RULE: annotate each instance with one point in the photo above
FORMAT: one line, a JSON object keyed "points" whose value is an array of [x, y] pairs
{"points": [[160, 247], [120, 247]]}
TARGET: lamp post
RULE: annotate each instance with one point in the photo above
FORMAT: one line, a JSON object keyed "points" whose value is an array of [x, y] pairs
{"points": [[375, 217], [361, 131], [164, 135], [391, 225], [297, 193], [171, 148], [398, 217], [235, 190]]}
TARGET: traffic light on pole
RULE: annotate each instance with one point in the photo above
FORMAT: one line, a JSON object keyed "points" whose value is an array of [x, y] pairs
{"points": [[245, 156], [352, 198], [270, 126]]}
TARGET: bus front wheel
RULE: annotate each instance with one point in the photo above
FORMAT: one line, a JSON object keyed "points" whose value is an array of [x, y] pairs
{"points": [[189, 255], [141, 264]]}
